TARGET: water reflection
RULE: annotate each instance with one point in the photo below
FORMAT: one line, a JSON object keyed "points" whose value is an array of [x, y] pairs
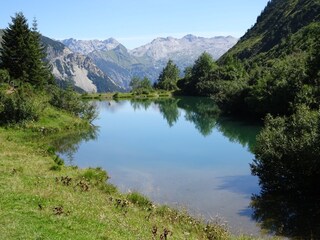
{"points": [[204, 114], [177, 151], [68, 144], [289, 202]]}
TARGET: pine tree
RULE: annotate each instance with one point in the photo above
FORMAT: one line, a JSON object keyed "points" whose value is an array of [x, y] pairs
{"points": [[22, 54], [40, 72]]}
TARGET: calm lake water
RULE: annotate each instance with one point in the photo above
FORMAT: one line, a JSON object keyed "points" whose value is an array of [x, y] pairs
{"points": [[176, 152]]}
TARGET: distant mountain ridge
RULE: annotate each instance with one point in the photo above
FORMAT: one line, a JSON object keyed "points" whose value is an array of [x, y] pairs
{"points": [[87, 46], [161, 48], [106, 66], [148, 60]]}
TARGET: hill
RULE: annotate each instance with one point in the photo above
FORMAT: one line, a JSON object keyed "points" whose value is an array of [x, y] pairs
{"points": [[274, 65], [281, 29]]}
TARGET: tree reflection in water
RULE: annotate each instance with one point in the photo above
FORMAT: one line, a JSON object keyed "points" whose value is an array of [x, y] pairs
{"points": [[68, 144]]}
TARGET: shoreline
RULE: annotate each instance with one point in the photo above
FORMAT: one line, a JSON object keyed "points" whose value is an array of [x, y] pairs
{"points": [[44, 198]]}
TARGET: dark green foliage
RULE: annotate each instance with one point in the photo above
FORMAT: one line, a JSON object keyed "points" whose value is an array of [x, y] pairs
{"points": [[4, 76], [197, 80], [278, 87], [287, 164], [169, 77], [289, 143], [22, 54], [15, 107]]}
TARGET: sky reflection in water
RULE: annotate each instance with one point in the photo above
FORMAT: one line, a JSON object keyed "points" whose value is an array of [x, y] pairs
{"points": [[177, 152]]}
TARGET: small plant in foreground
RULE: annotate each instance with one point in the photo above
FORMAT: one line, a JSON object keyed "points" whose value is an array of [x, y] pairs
{"points": [[138, 199]]}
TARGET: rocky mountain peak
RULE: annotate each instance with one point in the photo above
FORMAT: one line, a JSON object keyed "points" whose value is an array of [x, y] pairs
{"points": [[87, 46], [190, 37]]}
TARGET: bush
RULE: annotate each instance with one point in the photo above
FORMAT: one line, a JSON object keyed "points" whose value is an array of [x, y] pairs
{"points": [[70, 101], [15, 108], [287, 150]]}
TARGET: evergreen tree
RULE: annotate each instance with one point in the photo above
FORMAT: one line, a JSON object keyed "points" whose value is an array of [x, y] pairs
{"points": [[40, 73], [169, 77], [22, 54]]}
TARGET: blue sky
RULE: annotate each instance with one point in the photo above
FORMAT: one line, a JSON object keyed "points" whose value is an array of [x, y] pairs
{"points": [[136, 22]]}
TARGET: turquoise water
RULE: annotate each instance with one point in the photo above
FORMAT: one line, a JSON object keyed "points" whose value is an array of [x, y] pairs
{"points": [[177, 152]]}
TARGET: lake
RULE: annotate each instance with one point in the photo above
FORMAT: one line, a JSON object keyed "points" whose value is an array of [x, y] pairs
{"points": [[177, 152]]}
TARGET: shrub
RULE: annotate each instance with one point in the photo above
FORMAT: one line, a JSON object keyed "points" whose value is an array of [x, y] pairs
{"points": [[70, 101], [15, 108]]}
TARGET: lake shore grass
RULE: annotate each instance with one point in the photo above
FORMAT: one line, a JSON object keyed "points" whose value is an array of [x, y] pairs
{"points": [[41, 198], [127, 95]]}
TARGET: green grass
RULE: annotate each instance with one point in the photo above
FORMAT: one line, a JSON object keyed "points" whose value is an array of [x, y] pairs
{"points": [[41, 198], [149, 95], [127, 95]]}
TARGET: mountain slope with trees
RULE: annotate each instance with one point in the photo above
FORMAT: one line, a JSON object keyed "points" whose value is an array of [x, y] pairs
{"points": [[269, 69]]}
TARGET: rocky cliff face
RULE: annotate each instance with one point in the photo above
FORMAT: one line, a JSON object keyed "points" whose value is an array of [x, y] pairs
{"points": [[77, 69]]}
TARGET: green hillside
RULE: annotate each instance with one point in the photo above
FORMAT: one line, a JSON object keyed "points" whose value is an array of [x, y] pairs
{"points": [[271, 68], [281, 29]]}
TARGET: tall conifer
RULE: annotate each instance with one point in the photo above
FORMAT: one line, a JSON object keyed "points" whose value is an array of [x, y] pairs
{"points": [[22, 54]]}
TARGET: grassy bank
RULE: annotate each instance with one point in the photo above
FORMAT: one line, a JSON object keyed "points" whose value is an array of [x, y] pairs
{"points": [[128, 95], [43, 199]]}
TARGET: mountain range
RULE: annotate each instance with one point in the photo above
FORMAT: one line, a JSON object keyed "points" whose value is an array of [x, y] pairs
{"points": [[107, 66], [121, 64]]}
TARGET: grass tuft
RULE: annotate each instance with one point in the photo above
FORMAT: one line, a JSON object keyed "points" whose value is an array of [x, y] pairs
{"points": [[139, 200]]}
